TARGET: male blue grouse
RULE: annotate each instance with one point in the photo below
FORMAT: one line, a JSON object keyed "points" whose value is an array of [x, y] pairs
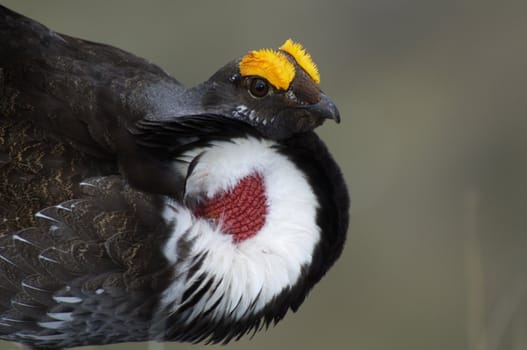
{"points": [[133, 208]]}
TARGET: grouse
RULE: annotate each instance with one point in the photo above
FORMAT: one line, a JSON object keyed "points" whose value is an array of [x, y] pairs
{"points": [[133, 208]]}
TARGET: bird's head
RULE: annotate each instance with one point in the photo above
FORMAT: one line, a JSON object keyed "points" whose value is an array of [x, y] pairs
{"points": [[275, 91]]}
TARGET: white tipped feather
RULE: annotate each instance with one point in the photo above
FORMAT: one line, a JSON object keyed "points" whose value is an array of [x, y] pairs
{"points": [[67, 300], [52, 324], [61, 316]]}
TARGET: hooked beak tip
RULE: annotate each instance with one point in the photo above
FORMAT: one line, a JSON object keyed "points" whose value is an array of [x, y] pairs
{"points": [[328, 108]]}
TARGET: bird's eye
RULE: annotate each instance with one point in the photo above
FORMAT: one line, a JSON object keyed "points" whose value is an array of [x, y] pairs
{"points": [[258, 87]]}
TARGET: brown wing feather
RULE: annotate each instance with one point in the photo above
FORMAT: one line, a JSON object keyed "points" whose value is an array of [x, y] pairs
{"points": [[38, 171]]}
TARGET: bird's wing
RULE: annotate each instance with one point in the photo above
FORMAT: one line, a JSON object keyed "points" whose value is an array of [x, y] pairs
{"points": [[88, 265], [38, 170], [84, 92]]}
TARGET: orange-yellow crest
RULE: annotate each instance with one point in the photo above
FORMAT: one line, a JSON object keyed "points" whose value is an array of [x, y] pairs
{"points": [[303, 58], [270, 65]]}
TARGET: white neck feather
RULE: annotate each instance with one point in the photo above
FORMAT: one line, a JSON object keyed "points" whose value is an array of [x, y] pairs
{"points": [[252, 272]]}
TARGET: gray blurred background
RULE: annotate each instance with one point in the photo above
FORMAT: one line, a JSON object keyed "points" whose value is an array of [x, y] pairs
{"points": [[432, 143]]}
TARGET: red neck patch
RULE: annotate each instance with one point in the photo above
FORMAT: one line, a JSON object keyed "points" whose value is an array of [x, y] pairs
{"points": [[241, 210]]}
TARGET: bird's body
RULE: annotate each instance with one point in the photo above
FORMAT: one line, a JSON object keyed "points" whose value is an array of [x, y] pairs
{"points": [[133, 208]]}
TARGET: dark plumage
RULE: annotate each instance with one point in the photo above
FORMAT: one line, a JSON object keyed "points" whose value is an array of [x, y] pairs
{"points": [[103, 159]]}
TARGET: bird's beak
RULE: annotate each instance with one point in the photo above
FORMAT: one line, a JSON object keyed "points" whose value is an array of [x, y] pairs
{"points": [[324, 109]]}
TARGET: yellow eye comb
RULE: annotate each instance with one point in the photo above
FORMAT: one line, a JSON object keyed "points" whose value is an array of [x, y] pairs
{"points": [[276, 67], [270, 65], [303, 59]]}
